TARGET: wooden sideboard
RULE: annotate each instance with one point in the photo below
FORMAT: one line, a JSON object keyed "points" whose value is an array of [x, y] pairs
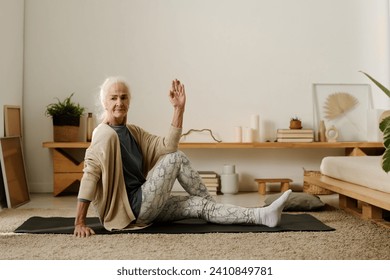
{"points": [[67, 169]]}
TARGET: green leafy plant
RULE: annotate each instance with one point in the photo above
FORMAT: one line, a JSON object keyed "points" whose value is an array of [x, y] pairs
{"points": [[65, 108], [384, 126], [65, 113]]}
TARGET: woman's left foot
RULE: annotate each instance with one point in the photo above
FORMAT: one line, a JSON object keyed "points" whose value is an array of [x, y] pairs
{"points": [[271, 215]]}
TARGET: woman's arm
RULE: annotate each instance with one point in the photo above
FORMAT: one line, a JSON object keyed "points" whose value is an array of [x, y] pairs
{"points": [[177, 96], [91, 175], [80, 228]]}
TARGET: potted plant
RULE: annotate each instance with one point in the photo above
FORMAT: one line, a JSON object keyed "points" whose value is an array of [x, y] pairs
{"points": [[384, 126], [295, 123], [66, 119]]}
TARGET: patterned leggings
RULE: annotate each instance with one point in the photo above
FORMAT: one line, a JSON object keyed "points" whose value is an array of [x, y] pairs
{"points": [[158, 205]]}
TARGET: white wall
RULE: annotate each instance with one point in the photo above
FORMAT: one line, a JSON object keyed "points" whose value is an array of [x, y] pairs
{"points": [[236, 58], [11, 55]]}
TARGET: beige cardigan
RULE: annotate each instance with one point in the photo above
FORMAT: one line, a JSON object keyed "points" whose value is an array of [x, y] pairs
{"points": [[103, 181]]}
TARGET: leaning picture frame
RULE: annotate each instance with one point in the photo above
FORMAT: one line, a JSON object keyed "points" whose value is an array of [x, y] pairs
{"points": [[13, 171], [344, 108], [12, 120], [3, 198]]}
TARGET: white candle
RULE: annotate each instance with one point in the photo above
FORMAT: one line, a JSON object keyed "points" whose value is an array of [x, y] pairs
{"points": [[255, 120], [237, 134], [248, 135]]}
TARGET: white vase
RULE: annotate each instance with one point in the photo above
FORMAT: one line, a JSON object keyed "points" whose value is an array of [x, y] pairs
{"points": [[229, 183], [228, 169], [229, 180]]}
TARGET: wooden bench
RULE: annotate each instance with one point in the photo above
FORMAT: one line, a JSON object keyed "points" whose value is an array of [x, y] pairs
{"points": [[366, 203], [284, 184]]}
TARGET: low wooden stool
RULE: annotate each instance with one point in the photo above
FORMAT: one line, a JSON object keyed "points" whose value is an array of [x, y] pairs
{"points": [[284, 184]]}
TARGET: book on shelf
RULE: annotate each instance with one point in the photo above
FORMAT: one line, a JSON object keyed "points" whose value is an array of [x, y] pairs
{"points": [[300, 131], [213, 191], [211, 185], [208, 174], [212, 181], [298, 140], [294, 135], [213, 188], [216, 183]]}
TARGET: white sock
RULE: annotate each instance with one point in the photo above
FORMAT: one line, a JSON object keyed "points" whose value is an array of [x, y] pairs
{"points": [[271, 215]]}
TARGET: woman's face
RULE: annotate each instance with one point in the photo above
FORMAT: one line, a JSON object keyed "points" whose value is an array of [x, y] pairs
{"points": [[117, 104]]}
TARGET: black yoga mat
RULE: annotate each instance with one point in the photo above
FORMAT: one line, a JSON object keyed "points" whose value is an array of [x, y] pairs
{"points": [[61, 225]]}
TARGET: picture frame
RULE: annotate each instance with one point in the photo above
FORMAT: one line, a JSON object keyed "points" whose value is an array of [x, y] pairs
{"points": [[12, 121], [13, 171], [352, 124], [3, 198]]}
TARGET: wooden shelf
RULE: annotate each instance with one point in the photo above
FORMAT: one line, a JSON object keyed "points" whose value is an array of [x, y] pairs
{"points": [[64, 145], [228, 145], [279, 145]]}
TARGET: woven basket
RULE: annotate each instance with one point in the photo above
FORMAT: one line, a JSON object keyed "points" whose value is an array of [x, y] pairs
{"points": [[65, 133], [311, 188]]}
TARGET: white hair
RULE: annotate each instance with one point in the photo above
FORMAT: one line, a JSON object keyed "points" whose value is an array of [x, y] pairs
{"points": [[104, 88]]}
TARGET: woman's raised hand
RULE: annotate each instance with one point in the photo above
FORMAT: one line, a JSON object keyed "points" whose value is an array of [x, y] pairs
{"points": [[177, 95]]}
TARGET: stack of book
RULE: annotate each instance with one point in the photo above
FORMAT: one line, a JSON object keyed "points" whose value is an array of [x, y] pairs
{"points": [[212, 181], [295, 135]]}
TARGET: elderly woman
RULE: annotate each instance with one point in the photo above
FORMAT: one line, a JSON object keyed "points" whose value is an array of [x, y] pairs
{"points": [[129, 173]]}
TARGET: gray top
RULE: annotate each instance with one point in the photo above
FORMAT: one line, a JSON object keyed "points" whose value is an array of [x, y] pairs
{"points": [[132, 167]]}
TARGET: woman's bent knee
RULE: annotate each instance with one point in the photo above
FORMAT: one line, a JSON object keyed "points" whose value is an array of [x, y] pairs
{"points": [[178, 155]]}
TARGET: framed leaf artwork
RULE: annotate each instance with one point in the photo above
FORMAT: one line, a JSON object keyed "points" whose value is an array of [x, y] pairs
{"points": [[345, 107]]}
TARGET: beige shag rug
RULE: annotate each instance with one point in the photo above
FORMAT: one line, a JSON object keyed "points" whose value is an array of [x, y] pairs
{"points": [[353, 239]]}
